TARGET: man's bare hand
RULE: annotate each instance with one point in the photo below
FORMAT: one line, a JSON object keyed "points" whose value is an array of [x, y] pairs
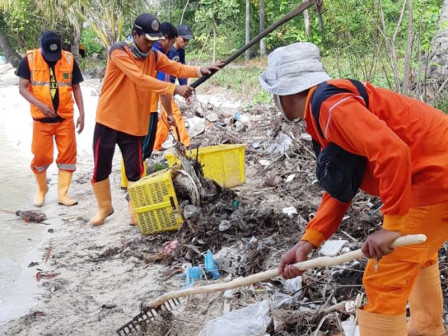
{"points": [[207, 70], [47, 110], [171, 120], [296, 254], [378, 244], [80, 124], [183, 90]]}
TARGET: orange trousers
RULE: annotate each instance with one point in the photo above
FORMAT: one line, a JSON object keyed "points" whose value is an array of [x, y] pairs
{"points": [[163, 130], [389, 287], [44, 136]]}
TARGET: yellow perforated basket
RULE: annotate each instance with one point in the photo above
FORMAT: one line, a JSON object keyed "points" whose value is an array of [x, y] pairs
{"points": [[222, 163], [154, 201]]}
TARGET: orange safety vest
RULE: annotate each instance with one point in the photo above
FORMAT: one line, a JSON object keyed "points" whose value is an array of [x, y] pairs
{"points": [[40, 82]]}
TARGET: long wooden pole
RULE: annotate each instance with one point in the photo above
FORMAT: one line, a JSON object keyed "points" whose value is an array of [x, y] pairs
{"points": [[266, 275]]}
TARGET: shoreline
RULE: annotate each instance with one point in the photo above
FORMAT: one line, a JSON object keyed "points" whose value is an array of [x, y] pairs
{"points": [[97, 276]]}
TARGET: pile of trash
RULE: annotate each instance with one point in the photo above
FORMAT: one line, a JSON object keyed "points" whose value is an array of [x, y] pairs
{"points": [[247, 229]]}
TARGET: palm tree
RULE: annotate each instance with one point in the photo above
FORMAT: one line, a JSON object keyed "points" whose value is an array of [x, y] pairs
{"points": [[105, 17], [72, 12]]}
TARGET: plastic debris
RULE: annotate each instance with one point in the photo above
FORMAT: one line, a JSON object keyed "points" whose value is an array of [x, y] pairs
{"points": [[350, 327], [211, 270], [284, 142], [249, 321], [256, 145], [224, 225], [332, 247], [237, 116], [290, 211], [293, 285], [171, 246], [193, 273], [212, 117]]}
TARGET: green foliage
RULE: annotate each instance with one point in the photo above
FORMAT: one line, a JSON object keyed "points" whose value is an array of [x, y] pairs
{"points": [[262, 97], [442, 103], [241, 81], [91, 43], [24, 22], [237, 78], [354, 41]]}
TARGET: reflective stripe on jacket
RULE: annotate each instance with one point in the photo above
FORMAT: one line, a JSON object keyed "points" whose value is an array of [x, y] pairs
{"points": [[40, 82]]}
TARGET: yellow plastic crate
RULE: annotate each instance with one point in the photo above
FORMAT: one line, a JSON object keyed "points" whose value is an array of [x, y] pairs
{"points": [[222, 163], [154, 201]]}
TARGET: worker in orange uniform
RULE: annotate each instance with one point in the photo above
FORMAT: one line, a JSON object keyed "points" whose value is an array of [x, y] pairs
{"points": [[404, 143], [169, 34], [125, 106], [49, 79], [176, 53]]}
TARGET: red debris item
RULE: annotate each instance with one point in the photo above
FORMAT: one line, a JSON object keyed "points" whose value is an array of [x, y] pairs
{"points": [[44, 275]]}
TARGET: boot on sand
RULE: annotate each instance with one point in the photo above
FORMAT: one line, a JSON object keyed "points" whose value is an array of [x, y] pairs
{"points": [[104, 200], [133, 219], [64, 180], [41, 179]]}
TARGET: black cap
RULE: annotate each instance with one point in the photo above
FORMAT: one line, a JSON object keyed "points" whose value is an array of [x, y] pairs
{"points": [[149, 25], [51, 45], [185, 32]]}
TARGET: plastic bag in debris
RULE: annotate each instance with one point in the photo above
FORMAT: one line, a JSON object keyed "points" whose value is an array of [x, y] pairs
{"points": [[210, 267], [249, 321], [193, 273], [283, 143]]}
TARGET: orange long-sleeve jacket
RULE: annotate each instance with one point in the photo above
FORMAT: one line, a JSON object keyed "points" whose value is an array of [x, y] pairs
{"points": [[405, 142], [130, 89]]}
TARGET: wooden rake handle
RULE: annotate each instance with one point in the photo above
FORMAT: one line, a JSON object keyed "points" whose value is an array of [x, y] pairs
{"points": [[266, 275]]}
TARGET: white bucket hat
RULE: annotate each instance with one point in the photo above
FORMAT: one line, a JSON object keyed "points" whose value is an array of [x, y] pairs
{"points": [[293, 69]]}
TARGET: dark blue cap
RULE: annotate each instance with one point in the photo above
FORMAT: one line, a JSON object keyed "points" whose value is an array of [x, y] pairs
{"points": [[185, 32], [149, 25], [51, 45]]}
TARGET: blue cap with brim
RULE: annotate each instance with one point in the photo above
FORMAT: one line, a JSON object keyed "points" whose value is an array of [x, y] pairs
{"points": [[148, 25], [185, 32], [51, 45]]}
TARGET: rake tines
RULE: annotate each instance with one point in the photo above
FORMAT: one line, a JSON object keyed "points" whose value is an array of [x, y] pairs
{"points": [[139, 322]]}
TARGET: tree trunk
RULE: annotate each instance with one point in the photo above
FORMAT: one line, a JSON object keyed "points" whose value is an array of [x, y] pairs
{"points": [[75, 38], [306, 19], [261, 28], [407, 59], [247, 55], [438, 60], [169, 10], [214, 46], [10, 54], [183, 12]]}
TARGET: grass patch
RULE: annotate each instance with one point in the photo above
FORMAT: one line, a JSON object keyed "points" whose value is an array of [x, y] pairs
{"points": [[241, 81]]}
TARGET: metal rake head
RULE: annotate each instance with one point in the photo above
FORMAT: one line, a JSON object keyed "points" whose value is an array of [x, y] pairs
{"points": [[140, 321]]}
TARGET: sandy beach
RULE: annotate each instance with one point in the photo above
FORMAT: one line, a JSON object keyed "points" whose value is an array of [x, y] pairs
{"points": [[77, 286], [72, 278]]}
